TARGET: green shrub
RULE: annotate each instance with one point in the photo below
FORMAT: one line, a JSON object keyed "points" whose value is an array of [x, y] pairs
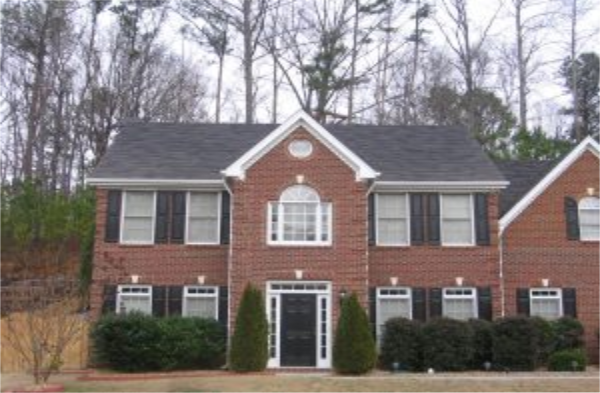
{"points": [[545, 338], [567, 360], [482, 343], [447, 345], [249, 344], [515, 344], [137, 342], [568, 334], [402, 343], [354, 348]]}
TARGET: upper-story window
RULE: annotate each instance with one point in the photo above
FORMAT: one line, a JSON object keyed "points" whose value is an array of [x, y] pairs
{"points": [[392, 219], [299, 217], [457, 220], [589, 218], [138, 217], [203, 218]]}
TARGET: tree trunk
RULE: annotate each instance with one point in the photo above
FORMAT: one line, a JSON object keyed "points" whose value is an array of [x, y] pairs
{"points": [[219, 88], [522, 67], [248, 59], [574, 77], [353, 61]]}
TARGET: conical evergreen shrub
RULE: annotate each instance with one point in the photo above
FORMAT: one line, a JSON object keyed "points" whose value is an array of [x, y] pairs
{"points": [[249, 344], [354, 347]]}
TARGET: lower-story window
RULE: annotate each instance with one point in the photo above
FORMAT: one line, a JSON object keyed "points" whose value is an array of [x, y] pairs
{"points": [[391, 303], [546, 303], [134, 298], [460, 303], [199, 301]]}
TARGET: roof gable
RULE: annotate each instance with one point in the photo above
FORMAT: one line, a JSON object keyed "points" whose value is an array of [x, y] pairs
{"points": [[300, 118], [588, 144]]}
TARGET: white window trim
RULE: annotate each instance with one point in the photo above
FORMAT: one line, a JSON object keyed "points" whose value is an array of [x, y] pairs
{"points": [[122, 221], [318, 243], [558, 296], [407, 219], [579, 209], [188, 198], [119, 294], [472, 296], [326, 293], [471, 210], [214, 295], [407, 296]]}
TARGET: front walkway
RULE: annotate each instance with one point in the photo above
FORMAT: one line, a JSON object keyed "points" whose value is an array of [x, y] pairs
{"points": [[295, 382]]}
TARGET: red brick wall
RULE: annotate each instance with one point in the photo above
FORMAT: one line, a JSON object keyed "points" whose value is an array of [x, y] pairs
{"points": [[438, 266], [344, 262], [536, 247], [159, 264]]}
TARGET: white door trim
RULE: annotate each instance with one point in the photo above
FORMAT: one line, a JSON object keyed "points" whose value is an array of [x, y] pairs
{"points": [[322, 290]]}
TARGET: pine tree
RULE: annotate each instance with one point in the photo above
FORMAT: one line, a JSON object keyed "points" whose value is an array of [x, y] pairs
{"points": [[249, 344], [354, 348]]}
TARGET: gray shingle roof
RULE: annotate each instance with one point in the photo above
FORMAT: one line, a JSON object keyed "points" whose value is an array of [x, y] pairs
{"points": [[523, 176], [201, 151]]}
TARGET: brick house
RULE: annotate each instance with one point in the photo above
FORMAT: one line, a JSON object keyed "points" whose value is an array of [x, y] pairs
{"points": [[415, 220]]}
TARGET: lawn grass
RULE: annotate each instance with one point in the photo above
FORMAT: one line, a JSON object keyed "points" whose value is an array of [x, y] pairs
{"points": [[517, 382]]}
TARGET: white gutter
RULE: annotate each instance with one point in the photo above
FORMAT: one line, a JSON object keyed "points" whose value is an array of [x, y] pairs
{"points": [[156, 183], [416, 186]]}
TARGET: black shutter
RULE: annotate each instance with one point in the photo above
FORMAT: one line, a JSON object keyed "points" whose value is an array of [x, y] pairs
{"points": [[371, 217], [373, 310], [225, 217], [109, 299], [178, 217], [523, 301], [161, 233], [417, 235], [435, 302], [113, 216], [175, 300], [433, 218], [223, 305], [484, 300], [419, 305], [482, 226], [159, 301], [572, 219], [569, 302]]}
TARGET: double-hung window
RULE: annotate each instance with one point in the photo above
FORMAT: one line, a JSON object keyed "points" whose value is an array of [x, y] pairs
{"points": [[200, 301], [457, 220], [545, 303], [392, 219], [134, 298], [392, 302], [138, 217], [299, 217], [589, 218], [459, 303], [203, 218]]}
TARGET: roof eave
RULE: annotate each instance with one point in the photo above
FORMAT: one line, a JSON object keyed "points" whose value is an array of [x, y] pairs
{"points": [[204, 184], [588, 144], [440, 185]]}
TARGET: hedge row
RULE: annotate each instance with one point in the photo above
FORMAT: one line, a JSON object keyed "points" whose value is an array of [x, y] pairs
{"points": [[137, 342], [515, 343]]}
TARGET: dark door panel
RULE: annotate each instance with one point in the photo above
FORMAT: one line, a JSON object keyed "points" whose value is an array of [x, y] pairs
{"points": [[298, 330]]}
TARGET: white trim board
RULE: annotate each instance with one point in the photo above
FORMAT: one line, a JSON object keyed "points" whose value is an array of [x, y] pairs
{"points": [[156, 183], [300, 118], [588, 144]]}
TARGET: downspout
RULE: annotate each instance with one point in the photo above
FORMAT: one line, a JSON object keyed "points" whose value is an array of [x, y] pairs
{"points": [[229, 264], [501, 273]]}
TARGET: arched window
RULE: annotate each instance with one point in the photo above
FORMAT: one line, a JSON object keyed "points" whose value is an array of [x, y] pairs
{"points": [[299, 217], [589, 218]]}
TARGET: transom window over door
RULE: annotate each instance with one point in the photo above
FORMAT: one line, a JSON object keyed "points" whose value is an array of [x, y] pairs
{"points": [[589, 218], [299, 217], [457, 220], [138, 217]]}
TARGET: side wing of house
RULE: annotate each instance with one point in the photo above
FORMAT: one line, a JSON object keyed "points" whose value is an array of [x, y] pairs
{"points": [[550, 235]]}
